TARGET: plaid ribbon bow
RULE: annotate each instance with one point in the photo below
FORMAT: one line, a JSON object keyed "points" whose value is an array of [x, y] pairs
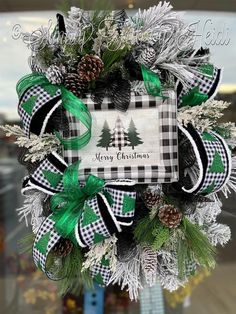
{"points": [[86, 214]]}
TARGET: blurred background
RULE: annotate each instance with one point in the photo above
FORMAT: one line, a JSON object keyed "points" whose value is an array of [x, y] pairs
{"points": [[25, 290]]}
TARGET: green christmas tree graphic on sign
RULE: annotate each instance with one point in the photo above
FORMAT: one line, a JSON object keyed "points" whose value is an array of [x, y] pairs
{"points": [[133, 135], [120, 137], [105, 137]]}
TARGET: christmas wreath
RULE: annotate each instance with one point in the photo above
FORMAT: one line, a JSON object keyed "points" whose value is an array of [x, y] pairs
{"points": [[113, 228]]}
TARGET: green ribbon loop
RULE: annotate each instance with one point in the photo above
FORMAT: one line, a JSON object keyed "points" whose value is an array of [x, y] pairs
{"points": [[78, 109], [193, 98], [93, 186], [67, 206], [207, 69], [69, 101], [151, 81]]}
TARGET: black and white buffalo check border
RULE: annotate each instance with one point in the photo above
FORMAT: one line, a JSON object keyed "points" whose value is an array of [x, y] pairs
{"points": [[166, 171]]}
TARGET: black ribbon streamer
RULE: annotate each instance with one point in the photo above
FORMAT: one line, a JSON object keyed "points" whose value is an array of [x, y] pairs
{"points": [[61, 24]]}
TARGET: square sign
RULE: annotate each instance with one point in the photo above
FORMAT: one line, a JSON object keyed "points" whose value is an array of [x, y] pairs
{"points": [[140, 144]]}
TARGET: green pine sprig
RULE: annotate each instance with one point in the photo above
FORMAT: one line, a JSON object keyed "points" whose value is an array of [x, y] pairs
{"points": [[45, 55], [143, 232], [151, 232], [26, 243], [112, 55], [197, 243], [183, 256], [73, 279], [161, 236]]}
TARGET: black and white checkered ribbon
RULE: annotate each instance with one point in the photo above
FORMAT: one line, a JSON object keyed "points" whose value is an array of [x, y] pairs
{"points": [[45, 240], [47, 177], [36, 106], [207, 85], [101, 272], [213, 161], [115, 208]]}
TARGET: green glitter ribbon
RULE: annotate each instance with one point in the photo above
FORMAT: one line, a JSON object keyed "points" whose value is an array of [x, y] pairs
{"points": [[67, 206]]}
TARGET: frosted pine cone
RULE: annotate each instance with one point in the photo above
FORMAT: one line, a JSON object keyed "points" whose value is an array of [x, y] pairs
{"points": [[90, 68], [149, 265], [55, 74], [151, 199], [74, 84], [170, 216], [63, 247], [34, 65], [147, 57]]}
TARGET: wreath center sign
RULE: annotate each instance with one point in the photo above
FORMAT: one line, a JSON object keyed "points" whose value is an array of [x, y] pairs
{"points": [[139, 144]]}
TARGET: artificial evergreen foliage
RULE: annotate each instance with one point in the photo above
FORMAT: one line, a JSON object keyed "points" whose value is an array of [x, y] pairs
{"points": [[198, 243], [72, 277]]}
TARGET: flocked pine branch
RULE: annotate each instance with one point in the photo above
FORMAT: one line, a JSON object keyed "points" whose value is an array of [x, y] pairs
{"points": [[230, 127], [109, 38], [167, 272], [218, 234], [205, 212], [127, 275], [77, 22], [169, 281], [228, 131], [107, 249], [172, 40], [37, 40], [13, 130], [38, 147], [157, 19], [205, 116], [32, 207]]}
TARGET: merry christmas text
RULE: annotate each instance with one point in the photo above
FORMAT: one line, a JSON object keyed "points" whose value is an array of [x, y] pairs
{"points": [[120, 156]]}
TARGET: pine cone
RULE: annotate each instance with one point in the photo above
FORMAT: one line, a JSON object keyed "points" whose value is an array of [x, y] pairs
{"points": [[75, 84], [63, 247], [151, 199], [90, 67], [149, 264], [170, 216], [55, 74], [34, 65], [147, 57]]}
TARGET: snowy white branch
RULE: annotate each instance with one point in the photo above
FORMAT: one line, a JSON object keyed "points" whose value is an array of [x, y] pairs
{"points": [[204, 117], [107, 249], [33, 206], [38, 147]]}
